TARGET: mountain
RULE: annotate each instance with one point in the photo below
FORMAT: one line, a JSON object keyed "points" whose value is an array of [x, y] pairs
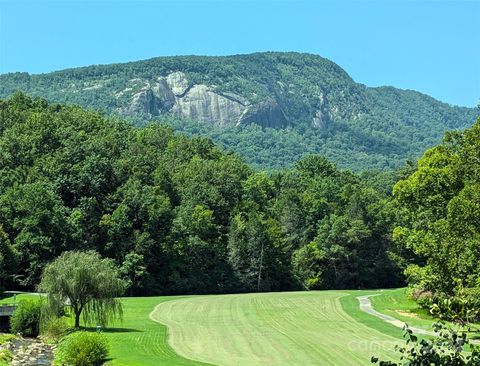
{"points": [[271, 107]]}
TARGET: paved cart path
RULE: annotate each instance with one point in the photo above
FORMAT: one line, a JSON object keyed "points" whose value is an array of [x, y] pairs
{"points": [[366, 306]]}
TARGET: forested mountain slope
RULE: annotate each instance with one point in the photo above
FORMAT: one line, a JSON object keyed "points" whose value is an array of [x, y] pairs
{"points": [[177, 214], [272, 108]]}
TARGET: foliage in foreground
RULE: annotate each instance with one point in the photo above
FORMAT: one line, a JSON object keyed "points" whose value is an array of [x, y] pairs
{"points": [[4, 338], [88, 283], [26, 318], [6, 357], [450, 348], [82, 349]]}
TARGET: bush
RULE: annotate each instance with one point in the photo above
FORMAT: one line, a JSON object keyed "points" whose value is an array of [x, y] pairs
{"points": [[26, 318], [54, 328], [82, 349], [463, 307], [4, 338], [449, 348], [6, 356]]}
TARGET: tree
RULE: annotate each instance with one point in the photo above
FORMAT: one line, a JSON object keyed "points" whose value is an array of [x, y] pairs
{"points": [[87, 283], [133, 270], [7, 259], [441, 209], [332, 259], [258, 253], [34, 218], [440, 203]]}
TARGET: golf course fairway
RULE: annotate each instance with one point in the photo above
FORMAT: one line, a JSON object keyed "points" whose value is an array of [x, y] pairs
{"points": [[287, 328]]}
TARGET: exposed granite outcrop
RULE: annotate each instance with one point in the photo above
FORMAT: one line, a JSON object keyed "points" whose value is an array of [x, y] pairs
{"points": [[267, 114], [144, 102], [164, 94], [322, 116], [204, 105], [174, 95], [178, 83]]}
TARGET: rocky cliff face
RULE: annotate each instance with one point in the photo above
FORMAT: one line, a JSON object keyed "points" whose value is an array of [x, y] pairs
{"points": [[272, 89], [323, 115], [173, 94], [267, 113]]}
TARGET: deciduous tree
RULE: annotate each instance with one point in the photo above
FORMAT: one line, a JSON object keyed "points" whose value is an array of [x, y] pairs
{"points": [[85, 282]]}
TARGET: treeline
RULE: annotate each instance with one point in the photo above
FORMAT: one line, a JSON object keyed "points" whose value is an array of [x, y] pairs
{"points": [[179, 215]]}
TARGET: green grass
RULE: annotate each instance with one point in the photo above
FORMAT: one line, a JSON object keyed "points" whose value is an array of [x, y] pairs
{"points": [[139, 341], [289, 328], [307, 328], [398, 304], [5, 357], [9, 300], [136, 340], [350, 305]]}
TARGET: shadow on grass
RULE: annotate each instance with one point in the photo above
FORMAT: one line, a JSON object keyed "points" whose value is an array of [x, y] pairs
{"points": [[474, 336], [111, 330]]}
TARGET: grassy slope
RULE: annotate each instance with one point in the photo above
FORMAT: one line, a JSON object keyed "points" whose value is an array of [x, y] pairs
{"points": [[318, 322], [351, 306], [137, 340], [295, 328]]}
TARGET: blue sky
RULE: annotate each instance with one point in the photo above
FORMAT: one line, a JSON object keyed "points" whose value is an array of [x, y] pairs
{"points": [[429, 46]]}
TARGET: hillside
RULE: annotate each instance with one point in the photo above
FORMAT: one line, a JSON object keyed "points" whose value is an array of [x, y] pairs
{"points": [[177, 214], [272, 108]]}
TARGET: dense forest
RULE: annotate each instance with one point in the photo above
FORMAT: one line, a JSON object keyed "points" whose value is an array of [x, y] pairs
{"points": [[178, 214], [318, 108]]}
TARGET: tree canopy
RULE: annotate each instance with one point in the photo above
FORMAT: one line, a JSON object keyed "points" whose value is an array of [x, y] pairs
{"points": [[178, 214], [85, 282], [440, 211]]}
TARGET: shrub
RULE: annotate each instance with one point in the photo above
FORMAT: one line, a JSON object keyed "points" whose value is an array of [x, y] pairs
{"points": [[54, 328], [419, 294], [4, 338], [449, 348], [463, 307], [6, 356], [82, 349], [26, 318]]}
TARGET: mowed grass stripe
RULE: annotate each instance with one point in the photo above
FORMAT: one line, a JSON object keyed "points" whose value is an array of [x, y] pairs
{"points": [[294, 328], [139, 341]]}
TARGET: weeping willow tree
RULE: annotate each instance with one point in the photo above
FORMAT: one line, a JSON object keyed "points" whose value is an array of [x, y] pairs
{"points": [[87, 283]]}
